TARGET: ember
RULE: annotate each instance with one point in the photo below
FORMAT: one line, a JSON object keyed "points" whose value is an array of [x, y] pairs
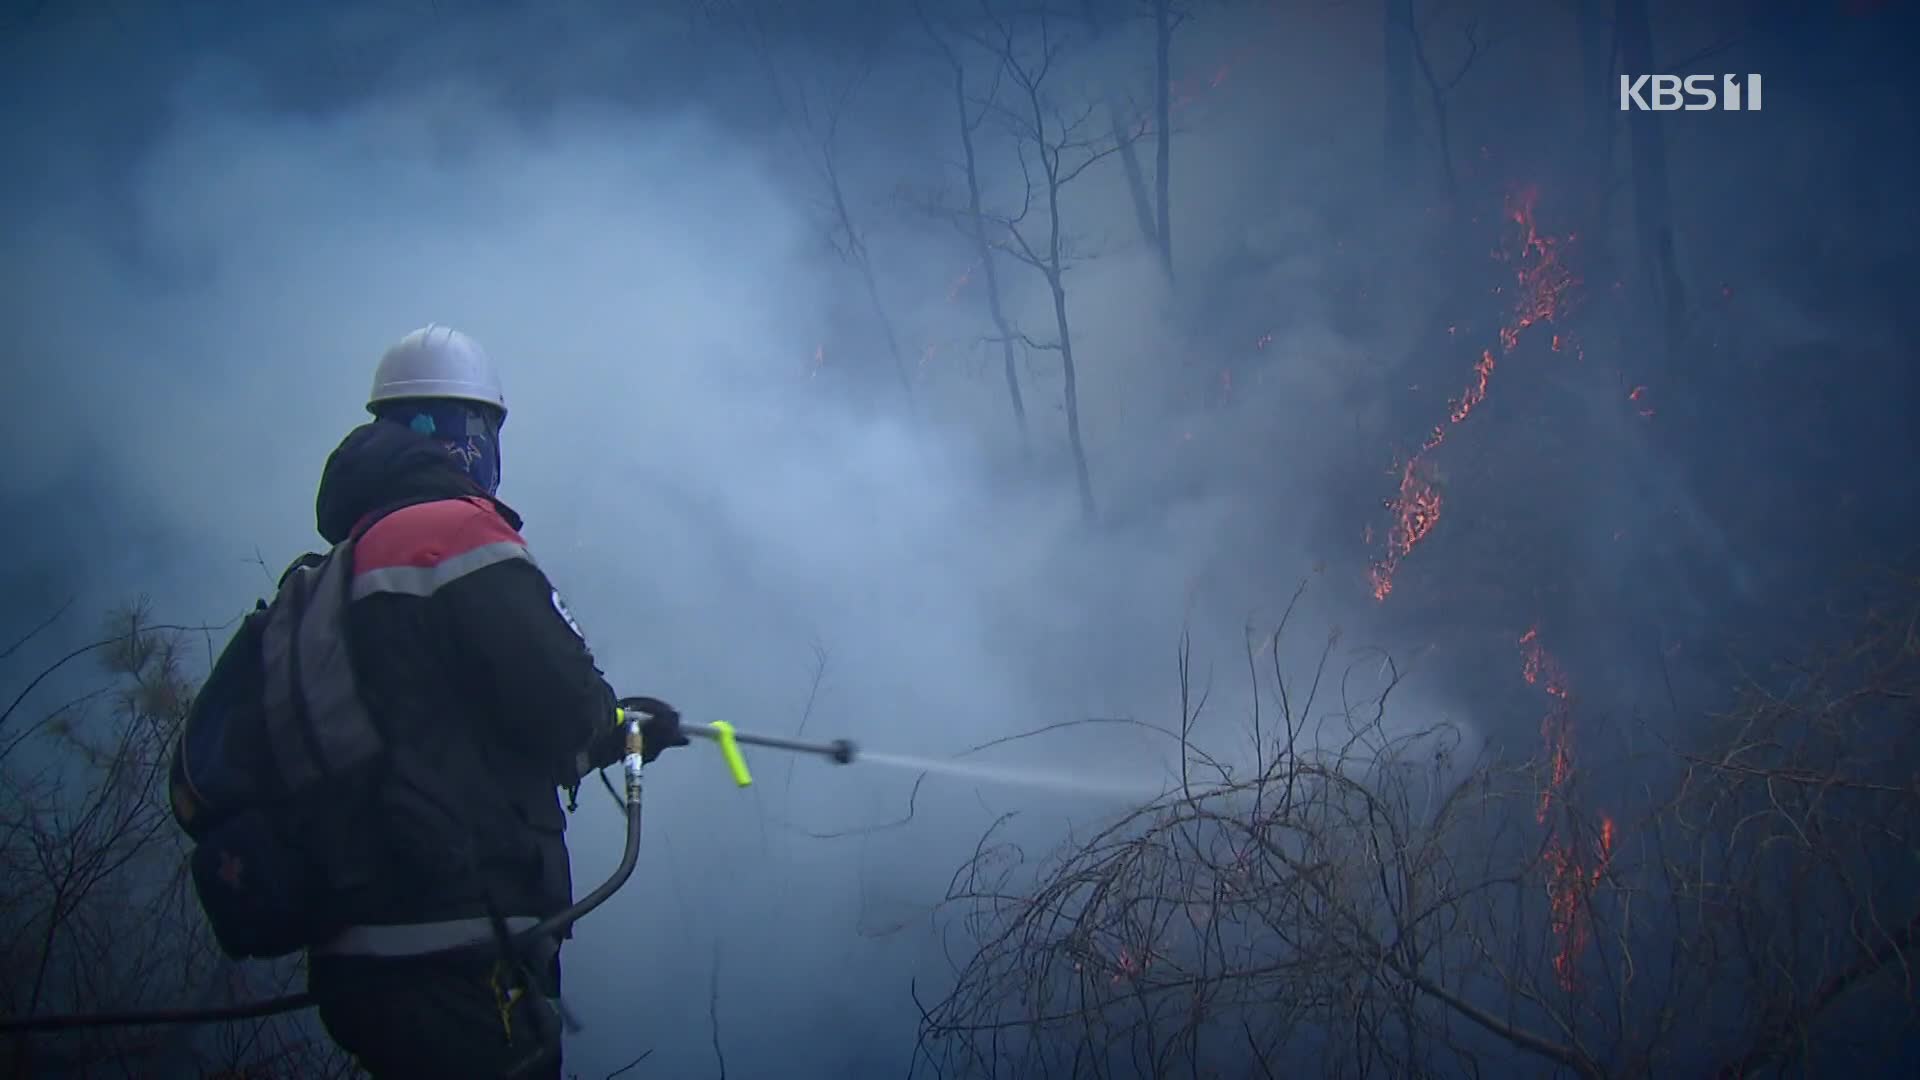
{"points": [[1571, 874], [1542, 283]]}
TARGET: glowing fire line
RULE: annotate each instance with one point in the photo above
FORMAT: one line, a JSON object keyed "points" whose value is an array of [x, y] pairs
{"points": [[1571, 876], [1542, 282]]}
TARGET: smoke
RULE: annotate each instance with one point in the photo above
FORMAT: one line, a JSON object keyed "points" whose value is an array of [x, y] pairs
{"points": [[224, 221], [201, 316]]}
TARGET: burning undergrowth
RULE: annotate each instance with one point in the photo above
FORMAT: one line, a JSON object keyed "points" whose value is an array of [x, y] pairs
{"points": [[1376, 896], [1371, 899]]}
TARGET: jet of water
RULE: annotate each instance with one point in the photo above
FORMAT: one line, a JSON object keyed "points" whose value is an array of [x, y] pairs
{"points": [[1118, 788]]}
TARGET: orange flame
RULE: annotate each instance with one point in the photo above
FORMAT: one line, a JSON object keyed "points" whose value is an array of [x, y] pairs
{"points": [[1183, 93], [1542, 285], [1416, 510], [1543, 280], [1571, 876], [1569, 884], [1638, 397], [960, 283], [1477, 391]]}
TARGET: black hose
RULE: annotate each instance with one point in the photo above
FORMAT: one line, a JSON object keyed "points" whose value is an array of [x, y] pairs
{"points": [[286, 1003], [630, 857], [252, 1010]]}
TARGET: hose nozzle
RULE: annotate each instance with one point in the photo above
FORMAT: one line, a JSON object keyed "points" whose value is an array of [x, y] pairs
{"points": [[839, 751]]}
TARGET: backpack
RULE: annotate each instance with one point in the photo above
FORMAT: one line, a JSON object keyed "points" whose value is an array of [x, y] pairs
{"points": [[275, 742]]}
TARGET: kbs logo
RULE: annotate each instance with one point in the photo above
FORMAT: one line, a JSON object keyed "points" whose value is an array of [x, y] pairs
{"points": [[1695, 93]]}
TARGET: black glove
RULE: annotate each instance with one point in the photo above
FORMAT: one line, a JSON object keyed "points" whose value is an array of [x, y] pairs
{"points": [[660, 730]]}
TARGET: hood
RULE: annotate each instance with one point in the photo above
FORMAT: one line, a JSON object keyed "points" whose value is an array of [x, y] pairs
{"points": [[380, 466]]}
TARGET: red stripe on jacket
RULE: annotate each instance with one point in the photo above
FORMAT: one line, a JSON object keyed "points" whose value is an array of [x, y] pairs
{"points": [[427, 534]]}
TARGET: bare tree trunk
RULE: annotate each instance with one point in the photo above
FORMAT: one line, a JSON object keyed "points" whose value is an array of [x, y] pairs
{"points": [[1400, 124], [983, 250], [1005, 330], [1122, 137], [757, 22], [1136, 179], [1594, 154], [886, 327], [1054, 269], [1061, 159], [1163, 131], [1598, 45], [1439, 87], [1592, 159], [1072, 392], [1652, 199], [857, 250], [1437, 90]]}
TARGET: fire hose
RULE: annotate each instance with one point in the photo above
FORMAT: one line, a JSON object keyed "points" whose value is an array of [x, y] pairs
{"points": [[729, 740]]}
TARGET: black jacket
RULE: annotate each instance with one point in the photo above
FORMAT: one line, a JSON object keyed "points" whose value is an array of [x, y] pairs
{"points": [[485, 690]]}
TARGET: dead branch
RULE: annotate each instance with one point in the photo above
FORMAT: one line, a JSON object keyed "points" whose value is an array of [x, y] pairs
{"points": [[1359, 883], [97, 913]]}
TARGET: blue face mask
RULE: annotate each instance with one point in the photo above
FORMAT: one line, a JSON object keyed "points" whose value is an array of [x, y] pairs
{"points": [[471, 435]]}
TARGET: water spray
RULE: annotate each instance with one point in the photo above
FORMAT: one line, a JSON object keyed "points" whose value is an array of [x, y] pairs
{"points": [[729, 740], [843, 752]]}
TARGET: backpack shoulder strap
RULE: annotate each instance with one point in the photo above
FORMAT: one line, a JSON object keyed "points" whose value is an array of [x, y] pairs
{"points": [[306, 561], [319, 723]]}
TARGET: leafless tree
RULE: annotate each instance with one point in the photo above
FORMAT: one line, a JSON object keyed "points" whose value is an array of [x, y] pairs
{"points": [[1401, 128], [1442, 76], [1800, 817], [814, 101], [971, 114], [1055, 145], [1167, 18], [1152, 212], [1652, 195], [97, 912]]}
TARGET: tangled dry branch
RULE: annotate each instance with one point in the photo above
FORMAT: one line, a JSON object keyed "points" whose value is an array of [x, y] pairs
{"points": [[1364, 903], [96, 913]]}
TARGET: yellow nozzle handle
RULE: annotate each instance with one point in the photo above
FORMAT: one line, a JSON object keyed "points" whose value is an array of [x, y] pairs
{"points": [[730, 749], [723, 733]]}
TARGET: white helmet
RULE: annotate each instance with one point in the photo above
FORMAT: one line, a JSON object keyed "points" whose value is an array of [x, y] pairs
{"points": [[437, 361]]}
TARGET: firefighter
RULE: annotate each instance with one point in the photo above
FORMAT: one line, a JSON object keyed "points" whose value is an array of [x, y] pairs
{"points": [[491, 701]]}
